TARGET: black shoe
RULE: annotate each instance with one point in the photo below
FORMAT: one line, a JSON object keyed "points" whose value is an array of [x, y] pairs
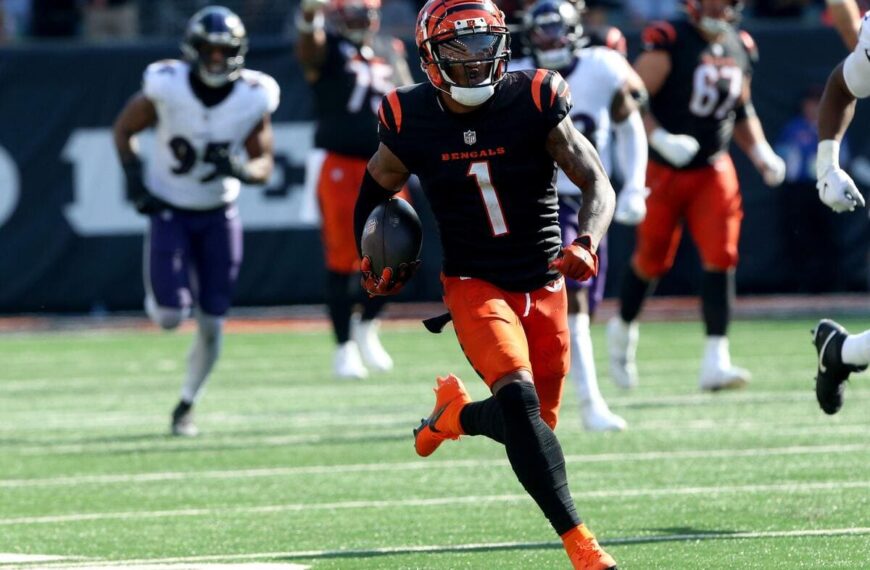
{"points": [[182, 420], [832, 373]]}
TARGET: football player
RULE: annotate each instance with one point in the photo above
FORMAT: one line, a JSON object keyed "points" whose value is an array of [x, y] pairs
{"points": [[698, 76], [212, 121], [483, 143], [840, 353], [601, 82], [349, 67]]}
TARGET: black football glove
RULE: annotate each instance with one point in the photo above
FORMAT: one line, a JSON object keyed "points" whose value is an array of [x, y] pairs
{"points": [[225, 164], [137, 194], [389, 282]]}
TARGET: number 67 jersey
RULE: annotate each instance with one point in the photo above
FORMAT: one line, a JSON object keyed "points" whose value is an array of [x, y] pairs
{"points": [[191, 136], [704, 87], [487, 174]]}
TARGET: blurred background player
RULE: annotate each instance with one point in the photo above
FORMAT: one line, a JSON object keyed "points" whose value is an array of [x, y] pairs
{"points": [[350, 68], [840, 353], [601, 82], [698, 76], [485, 145], [208, 112]]}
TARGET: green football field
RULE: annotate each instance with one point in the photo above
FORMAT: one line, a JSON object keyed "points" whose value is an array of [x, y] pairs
{"points": [[295, 469]]}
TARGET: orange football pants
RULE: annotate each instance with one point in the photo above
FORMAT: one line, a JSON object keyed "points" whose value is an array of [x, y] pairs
{"points": [[502, 331], [337, 191], [706, 199]]}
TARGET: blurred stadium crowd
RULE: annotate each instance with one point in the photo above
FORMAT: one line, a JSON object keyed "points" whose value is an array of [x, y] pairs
{"points": [[100, 20]]}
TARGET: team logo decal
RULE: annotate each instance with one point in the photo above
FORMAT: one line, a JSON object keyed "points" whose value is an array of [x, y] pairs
{"points": [[470, 137]]}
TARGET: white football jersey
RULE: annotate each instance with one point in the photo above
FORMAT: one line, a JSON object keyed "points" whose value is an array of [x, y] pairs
{"points": [[188, 133], [599, 74]]}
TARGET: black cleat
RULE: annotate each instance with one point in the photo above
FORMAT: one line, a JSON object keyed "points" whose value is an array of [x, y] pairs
{"points": [[182, 420], [832, 372]]}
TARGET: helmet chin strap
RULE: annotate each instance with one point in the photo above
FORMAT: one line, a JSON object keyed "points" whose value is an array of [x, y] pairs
{"points": [[714, 26], [558, 58], [212, 79], [472, 96]]}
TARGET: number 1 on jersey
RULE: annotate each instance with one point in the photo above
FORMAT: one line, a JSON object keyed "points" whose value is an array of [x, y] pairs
{"points": [[481, 174]]}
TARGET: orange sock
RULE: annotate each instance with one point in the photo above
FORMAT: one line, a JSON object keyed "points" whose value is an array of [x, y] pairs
{"points": [[451, 419]]}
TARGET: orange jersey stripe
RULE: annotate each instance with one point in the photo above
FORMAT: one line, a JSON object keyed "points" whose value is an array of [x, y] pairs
{"points": [[537, 84], [396, 108]]}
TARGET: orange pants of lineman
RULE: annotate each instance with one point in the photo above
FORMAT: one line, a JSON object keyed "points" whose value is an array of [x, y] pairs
{"points": [[337, 191], [707, 199], [502, 332]]}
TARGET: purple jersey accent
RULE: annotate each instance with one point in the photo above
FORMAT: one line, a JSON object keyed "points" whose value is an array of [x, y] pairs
{"points": [[195, 257], [569, 207]]}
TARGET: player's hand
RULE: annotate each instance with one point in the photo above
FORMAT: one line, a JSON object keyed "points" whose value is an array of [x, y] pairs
{"points": [[631, 206], [577, 261], [679, 150], [136, 191], [838, 191], [389, 282], [225, 164], [769, 164], [314, 6]]}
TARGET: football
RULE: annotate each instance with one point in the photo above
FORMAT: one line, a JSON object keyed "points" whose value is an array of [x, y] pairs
{"points": [[392, 235]]}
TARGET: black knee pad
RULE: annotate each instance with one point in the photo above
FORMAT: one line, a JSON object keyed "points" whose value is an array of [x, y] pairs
{"points": [[519, 402]]}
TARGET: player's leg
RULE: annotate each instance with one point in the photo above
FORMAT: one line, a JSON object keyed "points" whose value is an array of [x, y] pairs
{"points": [[713, 218], [658, 237], [582, 300], [491, 334], [216, 254], [839, 354], [334, 194], [165, 269]]}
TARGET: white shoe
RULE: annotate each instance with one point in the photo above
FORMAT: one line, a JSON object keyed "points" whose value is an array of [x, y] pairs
{"points": [[348, 363], [600, 418], [365, 333], [622, 350], [730, 378]]}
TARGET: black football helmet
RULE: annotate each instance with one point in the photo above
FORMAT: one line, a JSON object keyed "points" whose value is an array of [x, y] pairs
{"points": [[553, 32], [215, 28]]}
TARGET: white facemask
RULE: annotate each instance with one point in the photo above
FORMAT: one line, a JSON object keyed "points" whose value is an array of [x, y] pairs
{"points": [[558, 58], [714, 26], [472, 96]]}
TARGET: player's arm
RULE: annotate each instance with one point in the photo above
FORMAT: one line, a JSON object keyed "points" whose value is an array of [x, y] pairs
{"points": [[631, 149], [311, 46], [384, 176], [261, 155], [137, 115], [749, 136], [653, 67], [836, 109], [577, 158], [847, 20]]}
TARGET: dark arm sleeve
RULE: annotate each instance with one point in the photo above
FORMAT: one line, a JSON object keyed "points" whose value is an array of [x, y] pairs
{"points": [[370, 195]]}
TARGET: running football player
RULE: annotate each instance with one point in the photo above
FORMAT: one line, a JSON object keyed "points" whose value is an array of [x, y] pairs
{"points": [[485, 144], [213, 133]]}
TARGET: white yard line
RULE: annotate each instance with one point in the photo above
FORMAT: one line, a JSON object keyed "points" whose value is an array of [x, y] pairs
{"points": [[146, 563], [792, 487], [419, 465]]}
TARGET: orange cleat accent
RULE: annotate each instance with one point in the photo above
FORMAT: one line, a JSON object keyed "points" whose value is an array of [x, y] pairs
{"points": [[584, 552], [443, 422]]}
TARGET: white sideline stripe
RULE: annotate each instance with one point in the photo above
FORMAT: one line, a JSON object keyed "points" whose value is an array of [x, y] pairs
{"points": [[790, 487], [421, 465], [480, 546], [182, 564], [16, 558]]}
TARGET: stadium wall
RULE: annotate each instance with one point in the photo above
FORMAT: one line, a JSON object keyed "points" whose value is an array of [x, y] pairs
{"points": [[69, 242]]}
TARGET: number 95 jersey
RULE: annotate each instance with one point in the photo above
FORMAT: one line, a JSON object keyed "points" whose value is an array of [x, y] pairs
{"points": [[190, 135], [704, 86]]}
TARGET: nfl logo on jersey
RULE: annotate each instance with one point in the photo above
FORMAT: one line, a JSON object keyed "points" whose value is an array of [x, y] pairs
{"points": [[470, 137]]}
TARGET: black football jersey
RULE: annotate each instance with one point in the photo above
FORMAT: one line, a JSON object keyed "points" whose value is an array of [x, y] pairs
{"points": [[487, 174], [704, 86], [347, 94]]}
